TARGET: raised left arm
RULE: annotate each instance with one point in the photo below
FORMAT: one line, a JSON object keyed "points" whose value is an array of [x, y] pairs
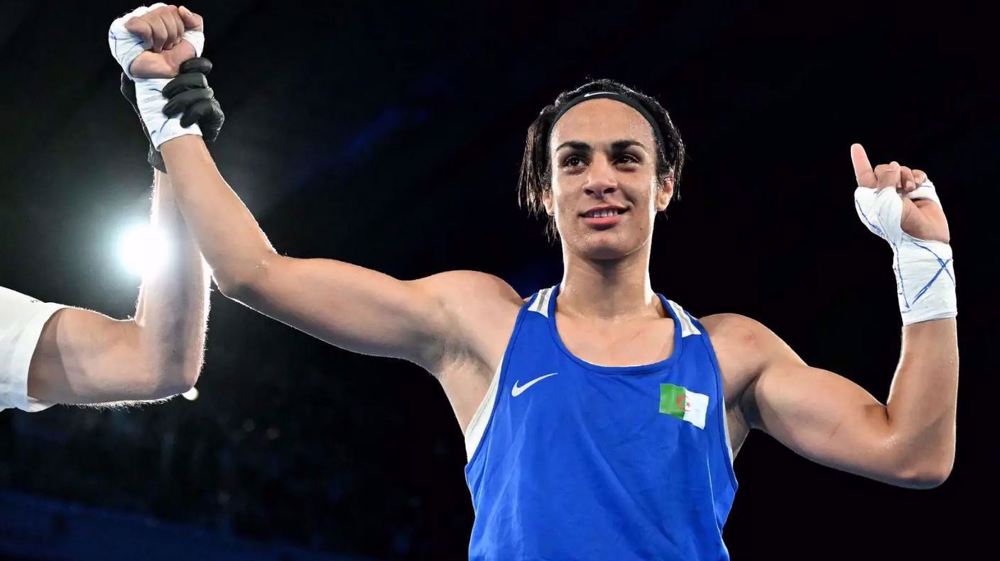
{"points": [[909, 441]]}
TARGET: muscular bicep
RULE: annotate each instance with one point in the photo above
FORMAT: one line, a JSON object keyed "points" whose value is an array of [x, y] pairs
{"points": [[86, 357], [820, 415], [359, 309], [824, 417]]}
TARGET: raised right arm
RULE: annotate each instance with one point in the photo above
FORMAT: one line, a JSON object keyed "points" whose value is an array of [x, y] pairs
{"points": [[348, 306]]}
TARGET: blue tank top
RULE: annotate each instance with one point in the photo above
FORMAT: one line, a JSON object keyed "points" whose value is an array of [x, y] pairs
{"points": [[578, 461]]}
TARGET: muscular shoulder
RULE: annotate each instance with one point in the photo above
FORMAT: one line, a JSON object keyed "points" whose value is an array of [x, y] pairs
{"points": [[470, 288], [479, 309], [743, 346], [734, 330]]}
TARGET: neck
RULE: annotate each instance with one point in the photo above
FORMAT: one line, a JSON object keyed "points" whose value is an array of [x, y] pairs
{"points": [[613, 290]]}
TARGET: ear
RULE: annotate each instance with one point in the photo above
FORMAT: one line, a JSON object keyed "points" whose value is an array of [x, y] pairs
{"points": [[665, 193], [547, 202]]}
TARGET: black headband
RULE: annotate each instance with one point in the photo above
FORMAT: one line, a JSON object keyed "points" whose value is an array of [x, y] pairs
{"points": [[627, 100]]}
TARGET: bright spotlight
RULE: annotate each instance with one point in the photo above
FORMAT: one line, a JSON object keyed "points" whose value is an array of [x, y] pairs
{"points": [[142, 248], [191, 394]]}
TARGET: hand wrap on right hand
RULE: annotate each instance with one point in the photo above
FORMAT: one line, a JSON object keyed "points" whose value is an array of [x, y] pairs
{"points": [[126, 47]]}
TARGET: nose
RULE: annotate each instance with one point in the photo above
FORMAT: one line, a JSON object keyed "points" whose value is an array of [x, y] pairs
{"points": [[601, 179]]}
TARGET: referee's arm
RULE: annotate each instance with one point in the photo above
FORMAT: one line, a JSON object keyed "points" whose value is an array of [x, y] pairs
{"points": [[85, 357]]}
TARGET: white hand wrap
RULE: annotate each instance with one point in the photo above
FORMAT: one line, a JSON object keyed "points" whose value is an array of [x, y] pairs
{"points": [[126, 47], [925, 273]]}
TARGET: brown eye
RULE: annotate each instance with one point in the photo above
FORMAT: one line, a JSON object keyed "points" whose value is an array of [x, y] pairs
{"points": [[572, 161], [628, 159]]}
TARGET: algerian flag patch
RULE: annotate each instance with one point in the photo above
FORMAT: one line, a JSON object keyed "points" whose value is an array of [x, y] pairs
{"points": [[680, 402]]}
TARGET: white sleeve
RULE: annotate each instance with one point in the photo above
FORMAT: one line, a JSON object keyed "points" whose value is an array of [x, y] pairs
{"points": [[21, 322]]}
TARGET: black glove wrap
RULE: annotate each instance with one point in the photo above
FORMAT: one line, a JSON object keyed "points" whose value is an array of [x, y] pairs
{"points": [[190, 97]]}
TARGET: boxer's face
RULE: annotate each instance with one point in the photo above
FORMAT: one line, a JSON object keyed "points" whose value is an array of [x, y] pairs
{"points": [[603, 154]]}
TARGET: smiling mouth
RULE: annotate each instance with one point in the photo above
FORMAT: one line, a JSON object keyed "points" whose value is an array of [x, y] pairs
{"points": [[603, 220], [605, 213]]}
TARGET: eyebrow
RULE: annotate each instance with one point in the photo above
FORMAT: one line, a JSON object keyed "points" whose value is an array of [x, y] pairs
{"points": [[616, 146]]}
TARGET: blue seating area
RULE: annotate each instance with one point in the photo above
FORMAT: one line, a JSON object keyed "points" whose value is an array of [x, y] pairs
{"points": [[40, 529]]}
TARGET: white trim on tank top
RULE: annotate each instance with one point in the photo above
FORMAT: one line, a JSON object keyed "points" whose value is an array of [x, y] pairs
{"points": [[541, 303], [477, 426], [541, 306], [687, 326]]}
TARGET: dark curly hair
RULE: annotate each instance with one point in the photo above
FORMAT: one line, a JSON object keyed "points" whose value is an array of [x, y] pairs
{"points": [[536, 171]]}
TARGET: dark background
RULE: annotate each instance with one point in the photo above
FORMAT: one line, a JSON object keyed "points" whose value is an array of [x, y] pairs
{"points": [[389, 135]]}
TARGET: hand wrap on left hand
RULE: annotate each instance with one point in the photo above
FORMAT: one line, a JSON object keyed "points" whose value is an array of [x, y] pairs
{"points": [[925, 272]]}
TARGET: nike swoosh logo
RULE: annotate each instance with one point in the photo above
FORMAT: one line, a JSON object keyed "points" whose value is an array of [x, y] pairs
{"points": [[518, 390]]}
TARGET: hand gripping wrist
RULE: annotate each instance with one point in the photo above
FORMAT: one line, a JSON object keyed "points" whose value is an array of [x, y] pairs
{"points": [[149, 96], [925, 273], [126, 47]]}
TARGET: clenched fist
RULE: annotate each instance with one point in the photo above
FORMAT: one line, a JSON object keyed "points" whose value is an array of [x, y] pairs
{"points": [[162, 32]]}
